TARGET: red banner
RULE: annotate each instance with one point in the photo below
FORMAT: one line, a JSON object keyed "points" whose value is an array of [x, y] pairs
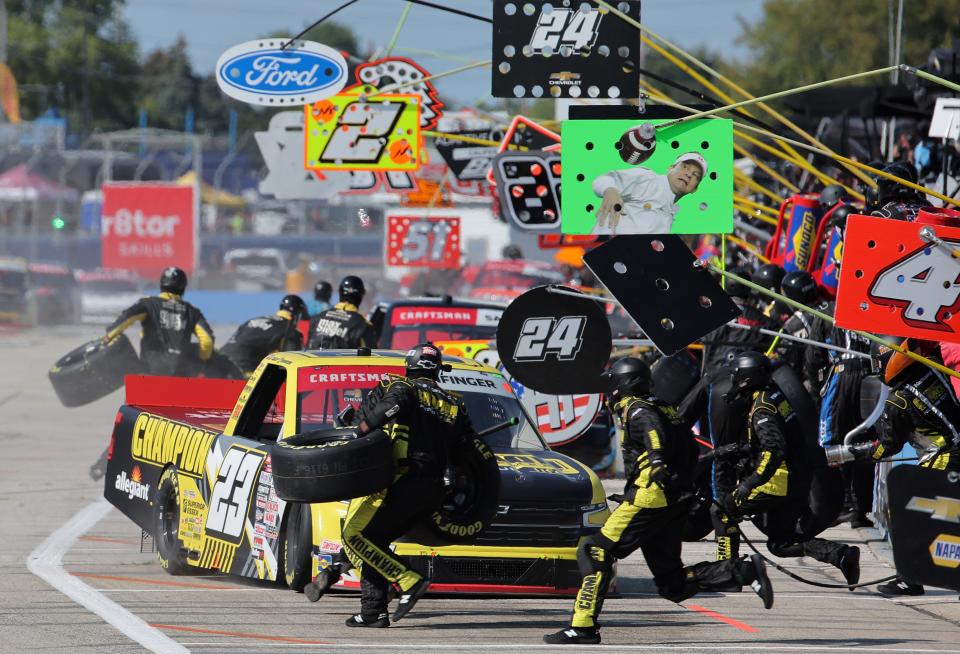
{"points": [[894, 282], [147, 227], [423, 241]]}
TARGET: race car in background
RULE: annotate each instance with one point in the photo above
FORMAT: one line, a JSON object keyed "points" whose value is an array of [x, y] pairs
{"points": [[16, 305], [190, 463], [402, 324], [503, 280], [106, 293], [54, 289]]}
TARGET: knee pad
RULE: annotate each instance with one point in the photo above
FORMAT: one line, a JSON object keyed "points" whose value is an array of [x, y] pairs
{"points": [[722, 526], [681, 587], [593, 557], [784, 549]]}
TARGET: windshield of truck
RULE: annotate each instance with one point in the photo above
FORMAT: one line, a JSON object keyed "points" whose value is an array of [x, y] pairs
{"points": [[325, 391]]}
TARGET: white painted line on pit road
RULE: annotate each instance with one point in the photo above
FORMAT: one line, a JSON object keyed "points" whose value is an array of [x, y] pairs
{"points": [[46, 562], [478, 647]]}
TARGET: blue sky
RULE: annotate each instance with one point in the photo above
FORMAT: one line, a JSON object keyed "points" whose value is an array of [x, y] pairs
{"points": [[212, 26]]}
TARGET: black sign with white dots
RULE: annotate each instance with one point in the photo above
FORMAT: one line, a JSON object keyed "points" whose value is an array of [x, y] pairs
{"points": [[565, 49]]}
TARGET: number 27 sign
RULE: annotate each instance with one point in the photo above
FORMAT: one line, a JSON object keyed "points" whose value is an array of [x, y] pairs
{"points": [[423, 241], [894, 282], [350, 132]]}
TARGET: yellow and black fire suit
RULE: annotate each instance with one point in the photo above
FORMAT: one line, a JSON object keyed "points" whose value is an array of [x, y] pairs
{"points": [[922, 410], [342, 327], [660, 456], [774, 486], [168, 324], [259, 337], [424, 422]]}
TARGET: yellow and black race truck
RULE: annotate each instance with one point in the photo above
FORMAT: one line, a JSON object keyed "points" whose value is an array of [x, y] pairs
{"points": [[190, 463]]}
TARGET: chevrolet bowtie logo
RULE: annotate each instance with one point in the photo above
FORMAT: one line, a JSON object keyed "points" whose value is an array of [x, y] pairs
{"points": [[942, 508], [565, 76]]}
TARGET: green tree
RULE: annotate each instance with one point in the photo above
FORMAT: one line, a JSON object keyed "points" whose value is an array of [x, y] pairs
{"points": [[803, 41], [77, 56], [168, 86]]}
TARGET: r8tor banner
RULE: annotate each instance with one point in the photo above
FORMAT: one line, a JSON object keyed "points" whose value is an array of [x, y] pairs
{"points": [[628, 177]]}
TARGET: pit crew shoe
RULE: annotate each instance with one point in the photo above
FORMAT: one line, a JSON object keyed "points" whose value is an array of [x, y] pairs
{"points": [[573, 636], [850, 565], [899, 587], [761, 585], [325, 580], [383, 620], [409, 598]]}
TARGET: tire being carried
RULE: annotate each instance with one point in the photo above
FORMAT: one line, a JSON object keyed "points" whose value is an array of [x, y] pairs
{"points": [[94, 370], [331, 465], [471, 504]]}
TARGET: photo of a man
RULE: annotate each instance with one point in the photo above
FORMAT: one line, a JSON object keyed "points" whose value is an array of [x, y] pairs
{"points": [[639, 201]]}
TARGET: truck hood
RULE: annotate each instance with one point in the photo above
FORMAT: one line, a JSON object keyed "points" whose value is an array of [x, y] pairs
{"points": [[543, 476]]}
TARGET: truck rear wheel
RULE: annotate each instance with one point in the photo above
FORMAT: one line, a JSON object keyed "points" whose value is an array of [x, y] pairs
{"points": [[331, 465], [297, 543], [166, 524], [94, 370]]}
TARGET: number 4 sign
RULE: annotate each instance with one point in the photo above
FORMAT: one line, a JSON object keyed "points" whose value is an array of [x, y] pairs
{"points": [[894, 282], [423, 241], [349, 132]]}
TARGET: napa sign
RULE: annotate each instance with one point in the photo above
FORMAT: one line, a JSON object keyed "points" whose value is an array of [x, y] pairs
{"points": [[263, 73]]}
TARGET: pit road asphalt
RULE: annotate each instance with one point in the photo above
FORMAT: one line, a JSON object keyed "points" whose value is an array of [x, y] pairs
{"points": [[51, 513]]}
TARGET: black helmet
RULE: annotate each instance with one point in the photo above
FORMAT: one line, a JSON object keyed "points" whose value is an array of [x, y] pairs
{"points": [[425, 360], [322, 291], [628, 375], [511, 252], [769, 276], [294, 305], [173, 280], [352, 290], [831, 194], [841, 213], [735, 288], [749, 371], [800, 286], [891, 191]]}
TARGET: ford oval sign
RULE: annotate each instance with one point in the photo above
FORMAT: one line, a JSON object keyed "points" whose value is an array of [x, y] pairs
{"points": [[260, 72]]}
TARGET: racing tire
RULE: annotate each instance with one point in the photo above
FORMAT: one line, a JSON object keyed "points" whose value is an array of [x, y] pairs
{"points": [[219, 366], [295, 551], [470, 506], [331, 465], [793, 389], [674, 376], [166, 524], [94, 370]]}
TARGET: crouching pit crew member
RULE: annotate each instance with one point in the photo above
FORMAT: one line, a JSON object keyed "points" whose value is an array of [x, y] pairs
{"points": [[424, 422], [921, 410], [659, 456], [168, 323]]}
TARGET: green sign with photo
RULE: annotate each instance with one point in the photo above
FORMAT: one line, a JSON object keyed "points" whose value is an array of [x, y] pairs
{"points": [[625, 177]]}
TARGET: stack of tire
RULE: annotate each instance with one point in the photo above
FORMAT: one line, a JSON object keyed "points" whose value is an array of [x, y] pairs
{"points": [[334, 464], [94, 370]]}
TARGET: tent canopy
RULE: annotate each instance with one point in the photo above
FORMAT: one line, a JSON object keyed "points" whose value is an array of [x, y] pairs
{"points": [[20, 185], [211, 195]]}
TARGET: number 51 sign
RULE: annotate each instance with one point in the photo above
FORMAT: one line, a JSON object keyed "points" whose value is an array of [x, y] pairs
{"points": [[894, 282], [423, 241]]}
